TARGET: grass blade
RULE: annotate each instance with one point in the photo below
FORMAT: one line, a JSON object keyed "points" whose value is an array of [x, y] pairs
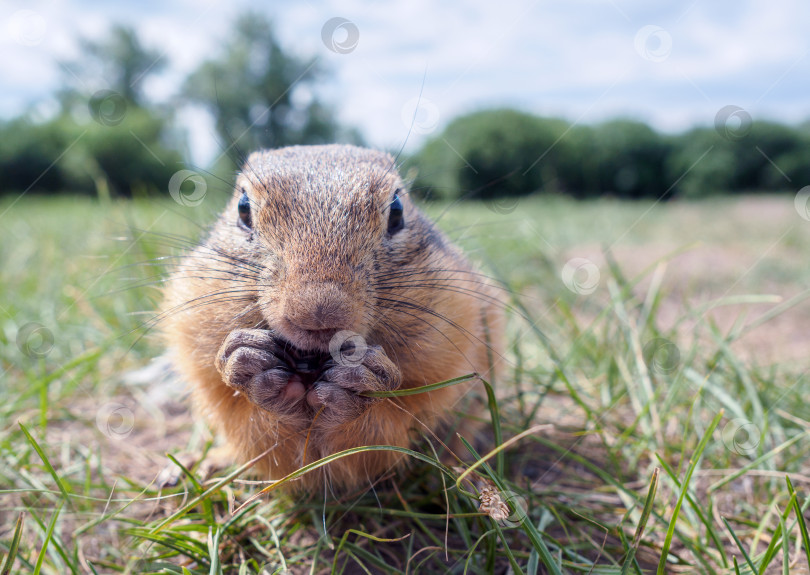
{"points": [[642, 522], [423, 388], [491, 402], [324, 461], [48, 535], [14, 547], [800, 519], [45, 461], [740, 547], [343, 541], [471, 550], [785, 551], [684, 486], [526, 524], [213, 550], [755, 463], [482, 460], [770, 552], [707, 521]]}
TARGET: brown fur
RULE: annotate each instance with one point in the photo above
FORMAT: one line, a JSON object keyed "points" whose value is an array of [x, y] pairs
{"points": [[319, 259]]}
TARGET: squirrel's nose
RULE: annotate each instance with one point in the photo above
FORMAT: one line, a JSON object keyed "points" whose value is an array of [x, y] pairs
{"points": [[319, 307]]}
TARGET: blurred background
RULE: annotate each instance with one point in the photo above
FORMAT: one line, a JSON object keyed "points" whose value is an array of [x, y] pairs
{"points": [[512, 98], [567, 131]]}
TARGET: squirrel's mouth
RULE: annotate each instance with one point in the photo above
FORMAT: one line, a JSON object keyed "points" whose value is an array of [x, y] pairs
{"points": [[305, 361], [308, 365], [306, 340], [311, 361]]}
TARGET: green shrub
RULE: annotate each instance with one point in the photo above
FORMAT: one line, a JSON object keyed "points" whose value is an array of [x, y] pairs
{"points": [[510, 153]]}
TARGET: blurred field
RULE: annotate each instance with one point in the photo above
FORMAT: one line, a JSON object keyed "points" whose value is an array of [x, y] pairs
{"points": [[724, 281], [721, 248], [62, 258]]}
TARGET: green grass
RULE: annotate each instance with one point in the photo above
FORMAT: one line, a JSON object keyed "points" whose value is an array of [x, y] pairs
{"points": [[670, 434]]}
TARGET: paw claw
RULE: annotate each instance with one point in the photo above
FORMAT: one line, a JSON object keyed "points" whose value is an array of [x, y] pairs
{"points": [[250, 363], [255, 364], [340, 385]]}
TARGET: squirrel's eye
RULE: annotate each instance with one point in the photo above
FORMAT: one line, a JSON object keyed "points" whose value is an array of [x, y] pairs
{"points": [[244, 211], [395, 219]]}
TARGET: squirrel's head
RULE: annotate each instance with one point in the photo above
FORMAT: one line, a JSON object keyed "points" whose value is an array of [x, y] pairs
{"points": [[323, 227]]}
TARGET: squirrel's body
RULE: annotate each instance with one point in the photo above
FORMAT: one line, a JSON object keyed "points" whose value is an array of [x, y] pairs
{"points": [[320, 250]]}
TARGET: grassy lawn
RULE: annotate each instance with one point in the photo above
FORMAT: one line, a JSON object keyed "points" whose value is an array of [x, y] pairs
{"points": [[664, 345]]}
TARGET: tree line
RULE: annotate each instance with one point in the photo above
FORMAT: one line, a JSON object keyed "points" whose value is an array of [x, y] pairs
{"points": [[506, 152], [106, 138]]}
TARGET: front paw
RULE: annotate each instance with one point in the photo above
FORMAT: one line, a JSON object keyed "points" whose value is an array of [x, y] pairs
{"points": [[337, 392], [251, 361]]}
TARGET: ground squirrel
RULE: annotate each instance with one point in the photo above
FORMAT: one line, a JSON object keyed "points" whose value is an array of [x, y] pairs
{"points": [[321, 280]]}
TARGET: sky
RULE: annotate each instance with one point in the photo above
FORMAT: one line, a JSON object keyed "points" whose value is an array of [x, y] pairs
{"points": [[401, 71]]}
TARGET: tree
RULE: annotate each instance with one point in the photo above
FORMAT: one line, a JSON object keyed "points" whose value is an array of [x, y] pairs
{"points": [[260, 95], [119, 63], [493, 153], [630, 158], [129, 146]]}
